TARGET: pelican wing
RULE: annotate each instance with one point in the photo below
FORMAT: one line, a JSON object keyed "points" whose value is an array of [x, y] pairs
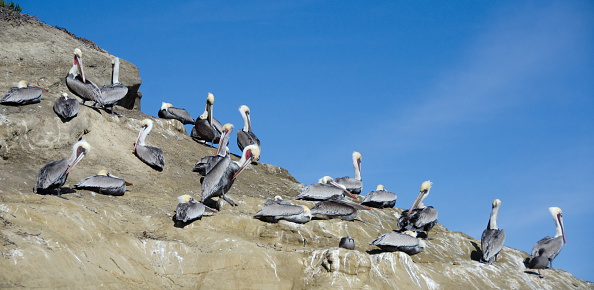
{"points": [[111, 94], [353, 185], [245, 139], [54, 172], [22, 96], [491, 244], [152, 156], [396, 240], [426, 216], [66, 108], [101, 181], [333, 208], [380, 196], [550, 247], [216, 181], [181, 115], [280, 210], [87, 91]]}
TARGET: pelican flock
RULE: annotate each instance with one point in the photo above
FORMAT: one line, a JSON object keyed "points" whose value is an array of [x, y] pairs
{"points": [[329, 196]]}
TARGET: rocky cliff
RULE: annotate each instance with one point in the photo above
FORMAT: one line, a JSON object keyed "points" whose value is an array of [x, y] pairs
{"points": [[89, 240]]}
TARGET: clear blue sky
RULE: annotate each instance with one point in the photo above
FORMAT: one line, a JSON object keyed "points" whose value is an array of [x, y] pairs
{"points": [[487, 99]]}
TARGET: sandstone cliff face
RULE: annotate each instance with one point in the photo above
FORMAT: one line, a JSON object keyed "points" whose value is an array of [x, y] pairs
{"points": [[130, 241]]}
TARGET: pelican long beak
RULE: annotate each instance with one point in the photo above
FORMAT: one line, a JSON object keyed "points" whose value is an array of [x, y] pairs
{"points": [[417, 201], [209, 110], [248, 161], [343, 188], [128, 183], [560, 219], [78, 62], [38, 87], [79, 157], [221, 145], [138, 138]]}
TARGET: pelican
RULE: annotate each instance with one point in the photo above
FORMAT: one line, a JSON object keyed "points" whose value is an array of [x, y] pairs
{"points": [[206, 164], [545, 250], [150, 155], [78, 84], [380, 198], [207, 128], [347, 243], [276, 209], [325, 189], [189, 209], [112, 93], [245, 136], [104, 183], [23, 94], [354, 185], [169, 112], [65, 107], [220, 179], [402, 242], [53, 175], [419, 217], [492, 238], [337, 207]]}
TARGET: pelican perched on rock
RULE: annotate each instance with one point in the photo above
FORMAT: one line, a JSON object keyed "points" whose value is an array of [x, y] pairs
{"points": [[276, 209], [220, 179], [167, 111], [53, 175], [65, 107], [545, 250], [152, 156], [23, 94], [402, 242], [206, 164], [354, 185], [104, 183], [347, 243], [112, 93], [380, 198], [419, 217], [325, 189], [245, 136], [189, 209], [79, 85], [337, 207], [207, 128], [493, 238]]}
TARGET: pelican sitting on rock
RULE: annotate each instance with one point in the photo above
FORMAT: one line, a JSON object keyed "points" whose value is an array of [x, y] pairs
{"points": [[402, 242], [114, 92], [245, 136], [167, 111], [152, 156], [347, 243], [104, 183], [545, 250], [53, 175], [65, 107], [354, 185], [337, 207], [277, 209], [325, 189], [493, 238], [380, 198], [79, 85], [206, 164], [220, 179], [23, 94], [207, 128], [189, 209], [419, 217]]}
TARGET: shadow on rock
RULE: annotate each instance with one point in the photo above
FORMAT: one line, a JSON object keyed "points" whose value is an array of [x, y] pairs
{"points": [[477, 253]]}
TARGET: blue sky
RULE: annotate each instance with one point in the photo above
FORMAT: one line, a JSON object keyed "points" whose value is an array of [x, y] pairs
{"points": [[486, 99]]}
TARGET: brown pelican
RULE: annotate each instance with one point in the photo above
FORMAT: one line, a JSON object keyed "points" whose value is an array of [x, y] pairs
{"points": [[419, 217], [492, 238], [150, 155], [206, 164], [245, 136], [65, 107], [276, 209], [207, 128], [53, 175], [104, 183], [112, 93], [347, 243], [220, 179], [169, 112], [79, 85], [23, 94], [325, 189], [337, 207], [545, 250], [380, 198], [189, 209], [353, 185], [402, 242]]}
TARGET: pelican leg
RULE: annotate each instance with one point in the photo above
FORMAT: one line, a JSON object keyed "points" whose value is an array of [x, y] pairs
{"points": [[228, 200], [59, 193]]}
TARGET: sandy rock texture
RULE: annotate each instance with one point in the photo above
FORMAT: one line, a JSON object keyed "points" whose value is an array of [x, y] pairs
{"points": [[91, 240]]}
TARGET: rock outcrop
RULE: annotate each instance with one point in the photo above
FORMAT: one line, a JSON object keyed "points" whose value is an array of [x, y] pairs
{"points": [[91, 240]]}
